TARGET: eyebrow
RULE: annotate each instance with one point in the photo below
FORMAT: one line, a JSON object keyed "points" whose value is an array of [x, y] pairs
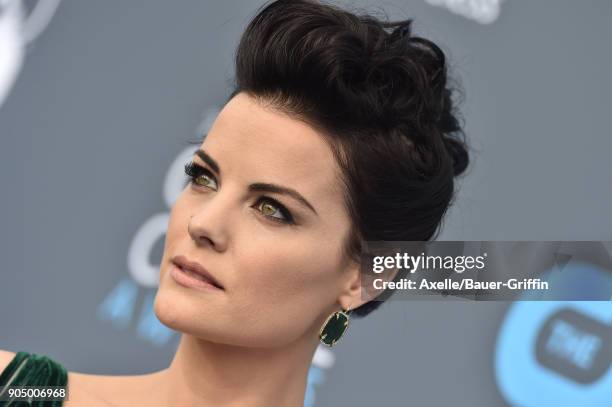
{"points": [[208, 160], [258, 186]]}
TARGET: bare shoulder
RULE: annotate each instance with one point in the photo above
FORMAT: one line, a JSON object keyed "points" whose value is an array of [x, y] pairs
{"points": [[91, 390], [102, 390], [5, 358]]}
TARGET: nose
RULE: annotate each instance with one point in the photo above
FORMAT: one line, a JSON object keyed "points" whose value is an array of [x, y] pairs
{"points": [[208, 227]]}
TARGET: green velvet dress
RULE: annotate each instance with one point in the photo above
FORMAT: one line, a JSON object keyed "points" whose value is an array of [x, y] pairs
{"points": [[30, 369]]}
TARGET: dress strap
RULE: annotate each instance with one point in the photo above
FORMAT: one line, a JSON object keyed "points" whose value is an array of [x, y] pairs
{"points": [[9, 371], [30, 369]]}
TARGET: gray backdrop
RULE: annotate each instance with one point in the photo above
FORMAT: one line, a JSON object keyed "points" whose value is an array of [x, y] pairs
{"points": [[111, 91]]}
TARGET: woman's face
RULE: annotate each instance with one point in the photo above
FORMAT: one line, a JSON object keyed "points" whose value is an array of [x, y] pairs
{"points": [[280, 279]]}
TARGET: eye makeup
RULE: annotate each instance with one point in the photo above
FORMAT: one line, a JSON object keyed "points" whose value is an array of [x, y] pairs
{"points": [[195, 172]]}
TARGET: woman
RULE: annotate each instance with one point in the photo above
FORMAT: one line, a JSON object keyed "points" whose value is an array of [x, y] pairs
{"points": [[339, 130]]}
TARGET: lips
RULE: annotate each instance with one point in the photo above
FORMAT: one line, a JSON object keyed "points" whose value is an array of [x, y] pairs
{"points": [[193, 267]]}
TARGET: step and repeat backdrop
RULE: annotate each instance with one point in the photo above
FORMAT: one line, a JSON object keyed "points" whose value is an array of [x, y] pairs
{"points": [[99, 100]]}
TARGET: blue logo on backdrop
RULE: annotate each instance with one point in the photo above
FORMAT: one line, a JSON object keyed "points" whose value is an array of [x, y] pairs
{"points": [[558, 353]]}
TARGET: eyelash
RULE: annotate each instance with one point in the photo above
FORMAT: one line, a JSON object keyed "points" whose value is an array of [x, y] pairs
{"points": [[194, 170]]}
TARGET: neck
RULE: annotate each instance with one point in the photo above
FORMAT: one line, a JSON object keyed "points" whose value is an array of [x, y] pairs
{"points": [[211, 374]]}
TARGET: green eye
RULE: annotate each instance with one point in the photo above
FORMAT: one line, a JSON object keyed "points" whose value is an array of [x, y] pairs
{"points": [[202, 180], [268, 207]]}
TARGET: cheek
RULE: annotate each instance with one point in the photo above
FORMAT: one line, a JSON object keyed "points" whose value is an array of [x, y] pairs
{"points": [[283, 285], [177, 236], [177, 222]]}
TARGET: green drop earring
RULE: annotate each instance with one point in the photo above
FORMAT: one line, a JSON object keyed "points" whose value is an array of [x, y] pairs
{"points": [[334, 327]]}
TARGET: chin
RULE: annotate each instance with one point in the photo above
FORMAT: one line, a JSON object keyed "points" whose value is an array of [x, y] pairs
{"points": [[184, 314], [166, 310]]}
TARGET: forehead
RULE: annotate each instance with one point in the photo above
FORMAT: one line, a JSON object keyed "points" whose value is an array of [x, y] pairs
{"points": [[260, 144]]}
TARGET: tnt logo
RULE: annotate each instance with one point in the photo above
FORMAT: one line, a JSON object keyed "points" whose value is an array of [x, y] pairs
{"points": [[558, 353], [575, 346]]}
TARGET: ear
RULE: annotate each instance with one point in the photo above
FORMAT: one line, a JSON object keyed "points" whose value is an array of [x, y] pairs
{"points": [[359, 285]]}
